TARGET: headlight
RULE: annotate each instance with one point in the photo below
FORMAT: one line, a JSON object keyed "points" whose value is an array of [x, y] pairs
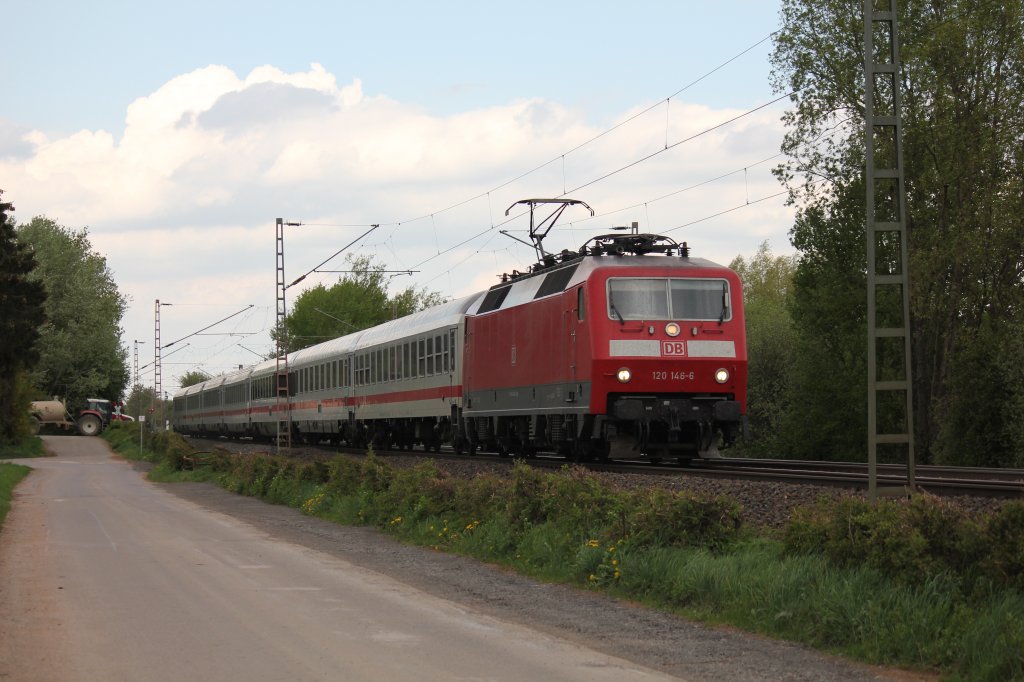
{"points": [[624, 375], [721, 375], [672, 329]]}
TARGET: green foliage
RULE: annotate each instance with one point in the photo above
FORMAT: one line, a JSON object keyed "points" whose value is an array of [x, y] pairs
{"points": [[81, 355], [10, 475], [21, 312], [963, 109], [1005, 538], [923, 540], [30, 446], [660, 518], [192, 377], [829, 586], [771, 346], [358, 300]]}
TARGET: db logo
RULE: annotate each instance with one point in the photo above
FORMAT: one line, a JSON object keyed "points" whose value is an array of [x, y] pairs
{"points": [[673, 348]]}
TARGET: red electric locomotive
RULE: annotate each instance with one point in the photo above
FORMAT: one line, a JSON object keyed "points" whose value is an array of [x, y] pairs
{"points": [[627, 348]]}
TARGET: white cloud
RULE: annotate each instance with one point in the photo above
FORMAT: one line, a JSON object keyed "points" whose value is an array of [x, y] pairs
{"points": [[183, 203]]}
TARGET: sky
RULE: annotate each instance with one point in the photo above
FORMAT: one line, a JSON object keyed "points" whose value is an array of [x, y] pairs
{"points": [[177, 135]]}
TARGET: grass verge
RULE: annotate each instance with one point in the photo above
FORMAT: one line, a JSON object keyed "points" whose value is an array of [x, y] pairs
{"points": [[10, 475], [908, 585], [30, 447]]}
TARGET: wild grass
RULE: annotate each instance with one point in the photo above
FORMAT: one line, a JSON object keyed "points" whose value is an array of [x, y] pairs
{"points": [[29, 447], [943, 595], [10, 476]]}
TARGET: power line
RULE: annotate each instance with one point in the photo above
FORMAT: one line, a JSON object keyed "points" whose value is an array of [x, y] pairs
{"points": [[589, 141], [248, 307]]}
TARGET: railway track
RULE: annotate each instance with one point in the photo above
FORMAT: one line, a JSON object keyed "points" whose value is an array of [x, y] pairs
{"points": [[938, 480]]}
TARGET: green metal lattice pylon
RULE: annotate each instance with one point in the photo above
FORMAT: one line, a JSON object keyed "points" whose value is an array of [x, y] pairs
{"points": [[887, 257]]}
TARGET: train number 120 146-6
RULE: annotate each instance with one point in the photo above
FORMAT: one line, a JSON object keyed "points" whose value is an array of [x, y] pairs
{"points": [[674, 376]]}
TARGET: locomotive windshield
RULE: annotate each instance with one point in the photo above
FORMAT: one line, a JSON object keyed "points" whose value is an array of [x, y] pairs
{"points": [[664, 298]]}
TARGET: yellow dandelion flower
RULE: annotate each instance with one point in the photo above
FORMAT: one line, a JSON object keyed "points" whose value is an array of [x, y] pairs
{"points": [[615, 562]]}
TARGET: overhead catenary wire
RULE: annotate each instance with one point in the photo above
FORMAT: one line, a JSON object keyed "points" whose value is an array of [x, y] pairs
{"points": [[589, 140], [196, 333]]}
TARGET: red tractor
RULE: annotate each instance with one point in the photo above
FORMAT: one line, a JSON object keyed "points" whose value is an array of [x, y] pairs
{"points": [[91, 420]]}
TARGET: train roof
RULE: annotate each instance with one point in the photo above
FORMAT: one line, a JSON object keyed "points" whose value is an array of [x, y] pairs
{"points": [[444, 315], [554, 280]]}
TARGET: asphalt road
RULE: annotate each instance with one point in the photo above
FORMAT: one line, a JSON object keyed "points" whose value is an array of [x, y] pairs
{"points": [[105, 576]]}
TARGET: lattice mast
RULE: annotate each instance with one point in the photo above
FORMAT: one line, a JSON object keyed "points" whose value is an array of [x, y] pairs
{"points": [[281, 407], [887, 257], [157, 372]]}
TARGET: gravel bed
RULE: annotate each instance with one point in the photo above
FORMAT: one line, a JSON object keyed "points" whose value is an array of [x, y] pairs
{"points": [[766, 505]]}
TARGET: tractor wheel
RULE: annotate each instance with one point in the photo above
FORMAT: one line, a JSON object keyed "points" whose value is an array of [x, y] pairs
{"points": [[89, 425], [36, 424]]}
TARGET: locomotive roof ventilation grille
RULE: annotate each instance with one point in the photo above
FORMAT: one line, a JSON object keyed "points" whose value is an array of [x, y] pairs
{"points": [[494, 298], [556, 281]]}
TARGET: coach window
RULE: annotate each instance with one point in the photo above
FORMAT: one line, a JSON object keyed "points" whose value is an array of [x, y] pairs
{"points": [[430, 356], [580, 307], [422, 357], [437, 355], [391, 363]]}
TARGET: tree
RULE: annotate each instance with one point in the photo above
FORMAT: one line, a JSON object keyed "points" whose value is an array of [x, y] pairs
{"points": [[192, 377], [357, 301], [21, 313], [767, 288], [963, 110], [81, 355]]}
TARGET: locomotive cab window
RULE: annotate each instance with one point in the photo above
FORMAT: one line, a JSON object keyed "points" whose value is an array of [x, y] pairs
{"points": [[666, 298]]}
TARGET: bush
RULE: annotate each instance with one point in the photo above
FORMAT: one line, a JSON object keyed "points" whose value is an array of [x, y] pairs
{"points": [[1004, 535], [914, 542], [659, 518]]}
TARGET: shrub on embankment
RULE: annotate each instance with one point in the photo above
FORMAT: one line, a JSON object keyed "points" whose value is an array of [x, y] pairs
{"points": [[909, 584]]}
